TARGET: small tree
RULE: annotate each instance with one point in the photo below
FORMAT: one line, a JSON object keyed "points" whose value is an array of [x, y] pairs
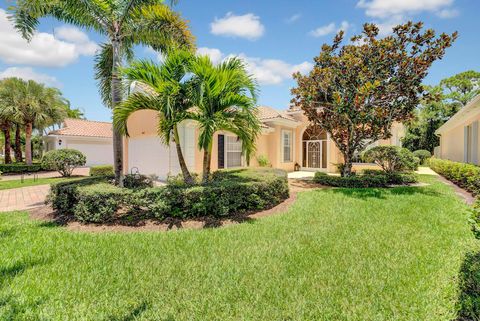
{"points": [[63, 160], [357, 91], [392, 159]]}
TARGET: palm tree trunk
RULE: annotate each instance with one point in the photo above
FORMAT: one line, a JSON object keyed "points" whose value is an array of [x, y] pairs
{"points": [[18, 144], [187, 178], [207, 159], [116, 99], [8, 143], [28, 143]]}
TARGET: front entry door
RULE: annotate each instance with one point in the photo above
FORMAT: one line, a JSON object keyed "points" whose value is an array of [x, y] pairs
{"points": [[314, 154]]}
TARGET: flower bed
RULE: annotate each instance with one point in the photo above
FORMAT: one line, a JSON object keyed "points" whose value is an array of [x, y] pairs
{"points": [[94, 200]]}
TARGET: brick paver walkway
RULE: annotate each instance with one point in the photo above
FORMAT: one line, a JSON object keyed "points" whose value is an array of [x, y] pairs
{"points": [[23, 198]]}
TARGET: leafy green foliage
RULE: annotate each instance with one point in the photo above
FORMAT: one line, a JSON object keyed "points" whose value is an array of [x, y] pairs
{"points": [[465, 175], [137, 181], [469, 300], [357, 91], [423, 155], [461, 88], [263, 161], [369, 178], [64, 160], [18, 168], [391, 159], [101, 170]]}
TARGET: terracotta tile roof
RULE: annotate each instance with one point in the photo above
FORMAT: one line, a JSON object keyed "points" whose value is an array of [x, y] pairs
{"points": [[266, 113], [86, 128]]}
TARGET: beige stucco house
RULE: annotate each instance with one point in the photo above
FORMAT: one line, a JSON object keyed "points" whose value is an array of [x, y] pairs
{"points": [[286, 139], [459, 137]]}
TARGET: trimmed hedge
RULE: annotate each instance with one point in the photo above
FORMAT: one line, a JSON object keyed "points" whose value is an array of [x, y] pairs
{"points": [[101, 170], [19, 168], [370, 178], [464, 175], [229, 193]]}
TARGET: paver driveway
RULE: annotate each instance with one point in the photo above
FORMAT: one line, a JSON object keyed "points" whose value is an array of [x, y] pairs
{"points": [[23, 198]]}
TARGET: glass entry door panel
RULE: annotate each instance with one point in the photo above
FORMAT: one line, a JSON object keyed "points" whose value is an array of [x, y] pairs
{"points": [[314, 152]]}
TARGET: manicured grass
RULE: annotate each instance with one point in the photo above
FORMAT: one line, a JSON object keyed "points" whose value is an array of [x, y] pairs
{"points": [[30, 182], [337, 254]]}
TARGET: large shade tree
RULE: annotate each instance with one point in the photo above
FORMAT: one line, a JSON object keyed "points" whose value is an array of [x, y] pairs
{"points": [[125, 23], [356, 91], [164, 88], [33, 105], [225, 97]]}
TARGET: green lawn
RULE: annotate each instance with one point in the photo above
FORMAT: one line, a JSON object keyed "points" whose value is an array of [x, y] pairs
{"points": [[342, 254], [30, 182]]}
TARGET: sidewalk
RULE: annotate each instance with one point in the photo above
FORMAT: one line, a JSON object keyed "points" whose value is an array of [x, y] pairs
{"points": [[24, 198]]}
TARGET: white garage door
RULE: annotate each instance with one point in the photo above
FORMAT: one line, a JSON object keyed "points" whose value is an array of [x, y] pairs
{"points": [[96, 153]]}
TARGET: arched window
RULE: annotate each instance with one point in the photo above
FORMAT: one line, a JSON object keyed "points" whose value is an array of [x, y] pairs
{"points": [[314, 133]]}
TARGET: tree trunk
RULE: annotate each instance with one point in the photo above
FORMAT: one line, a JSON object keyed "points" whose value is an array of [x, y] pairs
{"points": [[207, 157], [116, 99], [187, 178], [347, 165], [8, 144], [18, 144], [28, 143]]}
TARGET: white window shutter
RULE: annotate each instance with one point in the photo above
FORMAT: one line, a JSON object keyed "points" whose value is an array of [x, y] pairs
{"points": [[475, 143]]}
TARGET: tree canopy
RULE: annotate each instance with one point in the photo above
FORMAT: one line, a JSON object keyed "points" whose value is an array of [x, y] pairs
{"points": [[358, 90]]}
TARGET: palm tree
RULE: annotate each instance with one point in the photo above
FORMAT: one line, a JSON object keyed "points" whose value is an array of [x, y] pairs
{"points": [[125, 23], [225, 98], [6, 122], [32, 104], [167, 93]]}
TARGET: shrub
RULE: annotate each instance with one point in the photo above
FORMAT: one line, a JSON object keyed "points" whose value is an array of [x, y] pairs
{"points": [[263, 161], [423, 155], [228, 193], [464, 175], [99, 203], [64, 160], [135, 181], [18, 168], [101, 170], [476, 219], [391, 158], [63, 196], [370, 178]]}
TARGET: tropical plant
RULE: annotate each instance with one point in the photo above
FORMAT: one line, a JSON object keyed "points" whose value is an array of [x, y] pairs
{"points": [[125, 23], [166, 91], [6, 123], [63, 160], [32, 104], [357, 91], [225, 97]]}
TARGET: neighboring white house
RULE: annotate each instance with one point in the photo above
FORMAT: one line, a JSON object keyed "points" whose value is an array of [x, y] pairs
{"points": [[92, 138]]}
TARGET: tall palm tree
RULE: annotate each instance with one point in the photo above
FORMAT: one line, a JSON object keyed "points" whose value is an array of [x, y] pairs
{"points": [[125, 23], [6, 124], [225, 97], [32, 104], [167, 93]]}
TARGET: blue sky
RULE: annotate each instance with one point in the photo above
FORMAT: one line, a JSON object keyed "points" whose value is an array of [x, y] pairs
{"points": [[274, 37]]}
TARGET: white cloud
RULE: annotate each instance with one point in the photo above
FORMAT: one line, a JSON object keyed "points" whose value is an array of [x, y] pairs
{"points": [[273, 71], [215, 54], [330, 28], [246, 26], [28, 73], [44, 49], [448, 13], [294, 18], [387, 8]]}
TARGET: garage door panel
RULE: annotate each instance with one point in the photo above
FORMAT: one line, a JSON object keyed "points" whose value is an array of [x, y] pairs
{"points": [[96, 154]]}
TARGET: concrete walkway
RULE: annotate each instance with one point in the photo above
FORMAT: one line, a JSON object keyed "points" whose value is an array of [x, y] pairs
{"points": [[24, 198]]}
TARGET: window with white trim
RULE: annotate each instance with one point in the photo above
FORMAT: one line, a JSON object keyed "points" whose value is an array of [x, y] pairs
{"points": [[233, 151], [287, 141]]}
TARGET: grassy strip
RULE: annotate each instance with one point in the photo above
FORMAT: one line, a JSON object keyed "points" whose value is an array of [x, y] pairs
{"points": [[336, 254], [30, 182]]}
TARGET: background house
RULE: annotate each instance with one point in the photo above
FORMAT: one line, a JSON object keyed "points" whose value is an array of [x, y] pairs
{"points": [[459, 137], [92, 138]]}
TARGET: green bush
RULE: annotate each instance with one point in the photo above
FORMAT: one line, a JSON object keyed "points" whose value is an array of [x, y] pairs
{"points": [[465, 175], [263, 161], [391, 158], [229, 192], [137, 181], [18, 168], [64, 160], [423, 155], [101, 170], [63, 196], [369, 178], [99, 203]]}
